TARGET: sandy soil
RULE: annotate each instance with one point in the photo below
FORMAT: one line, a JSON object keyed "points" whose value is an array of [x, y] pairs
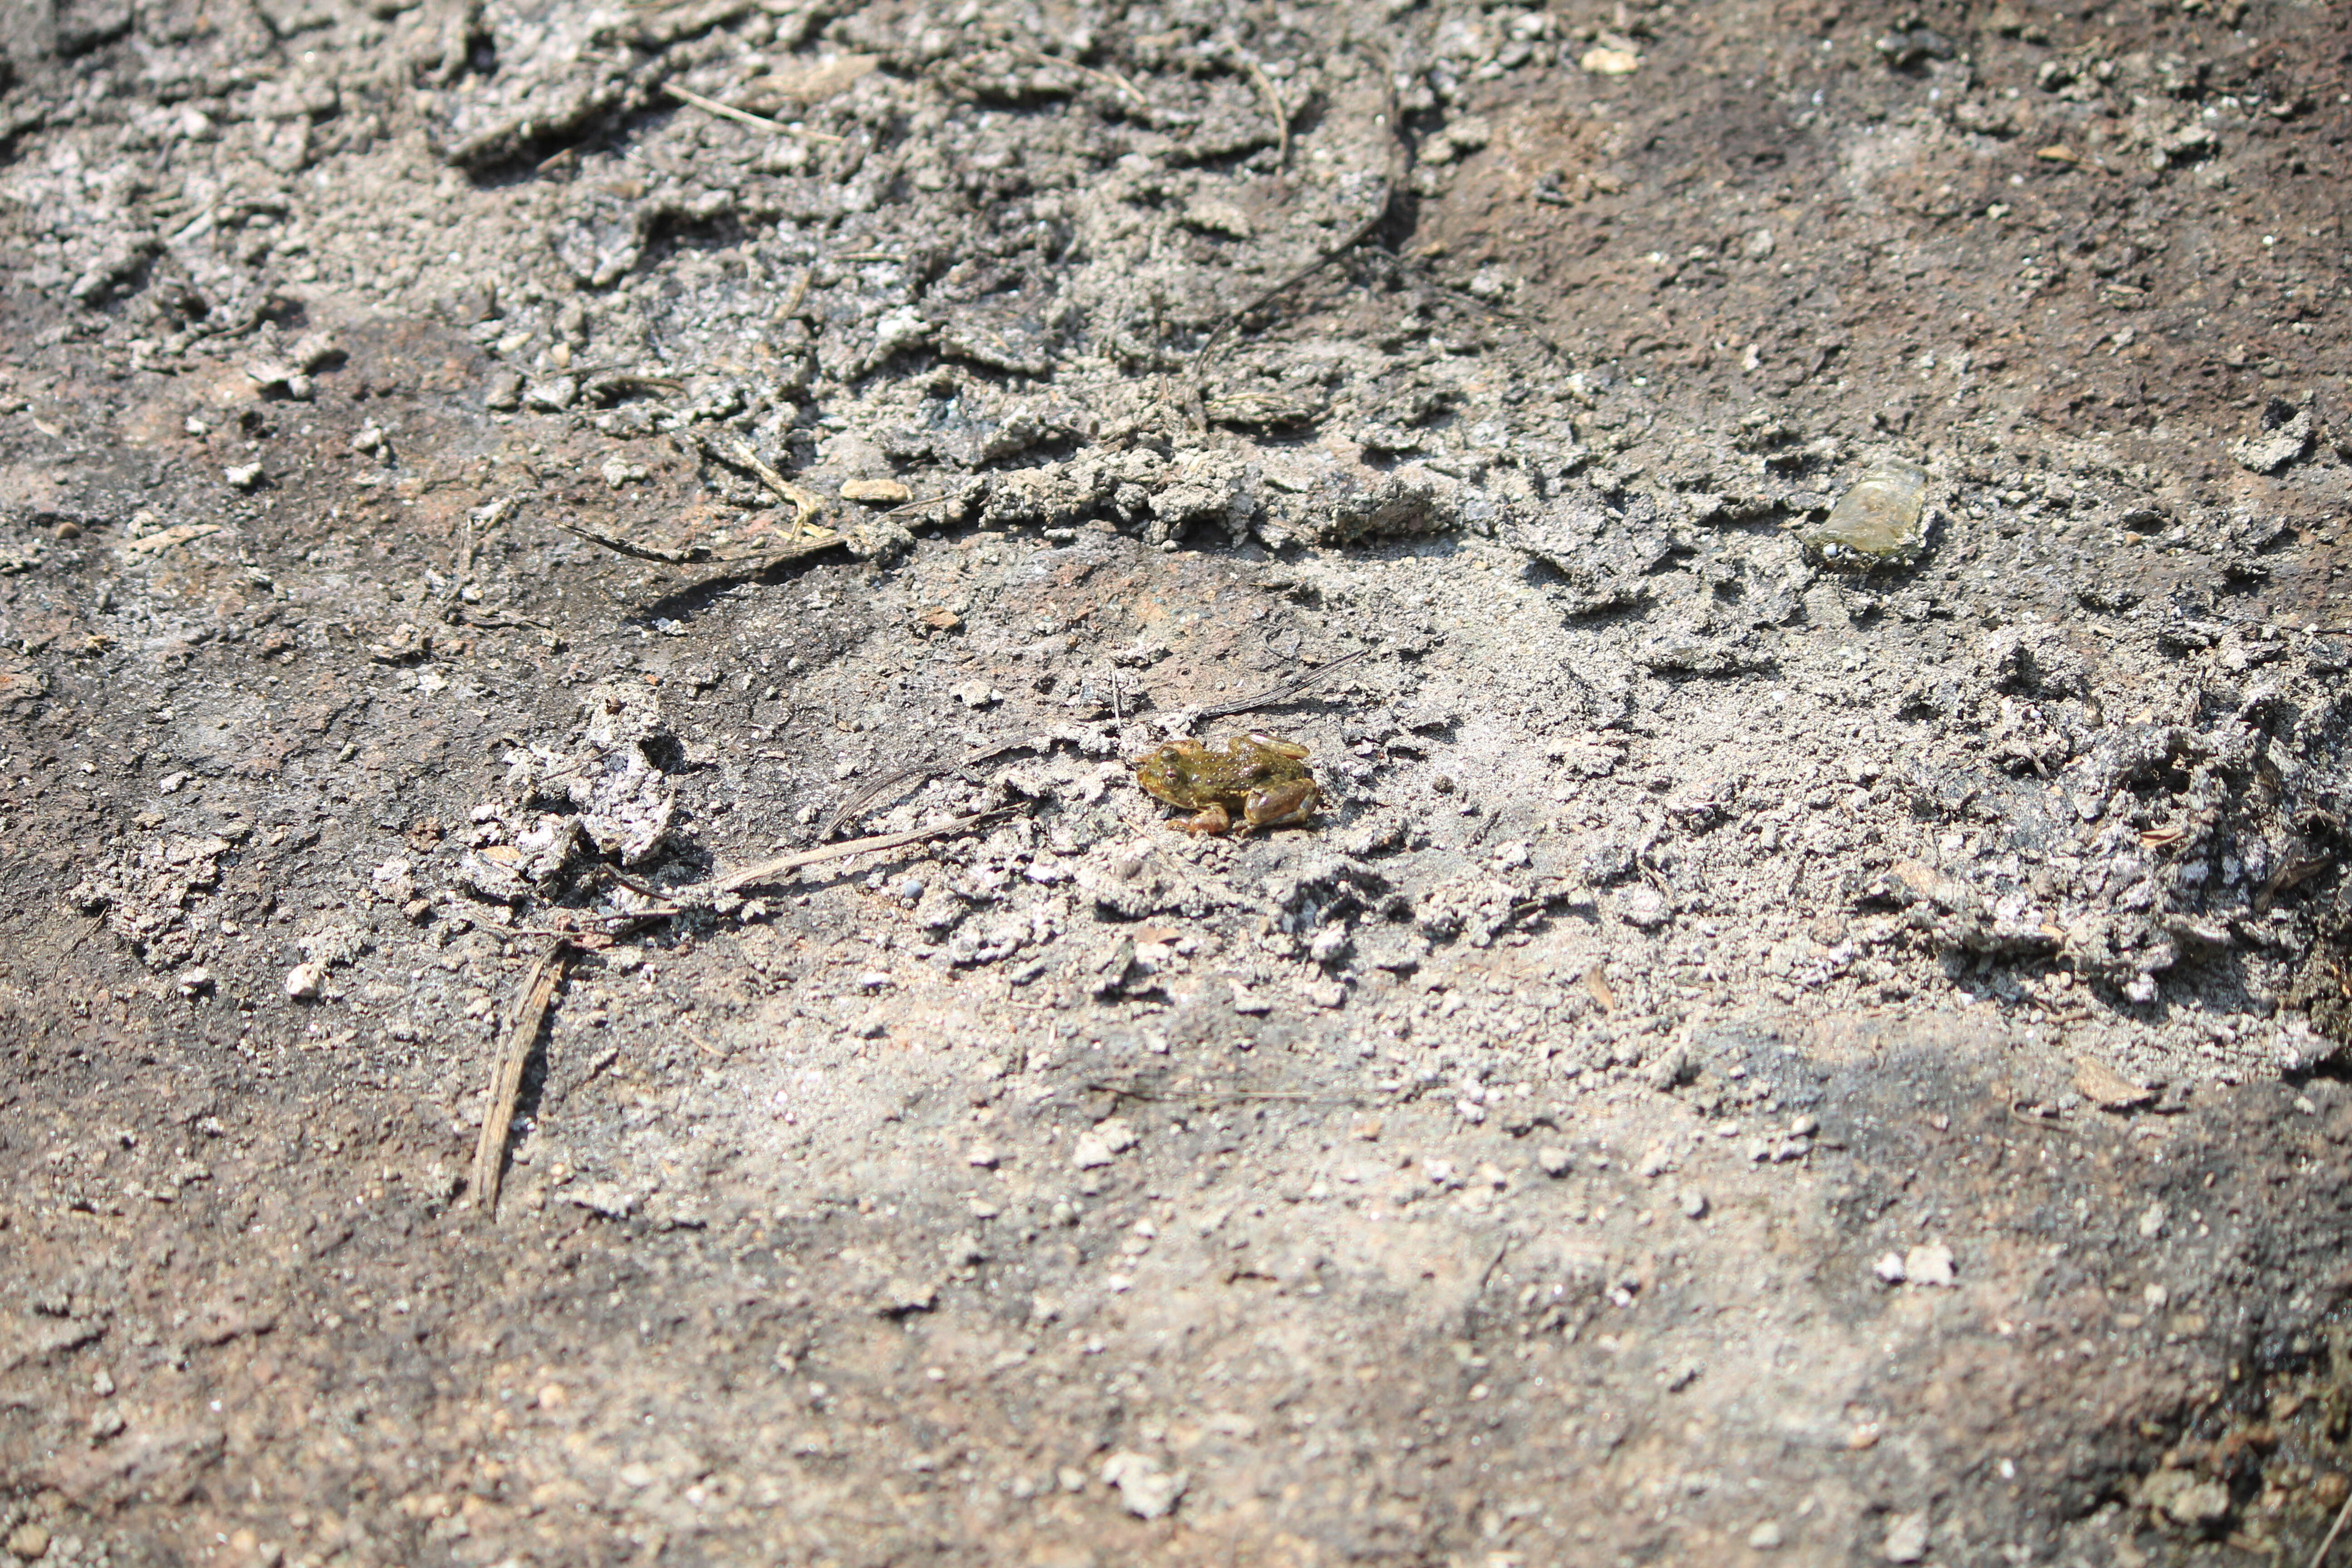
{"points": [[1752, 1059]]}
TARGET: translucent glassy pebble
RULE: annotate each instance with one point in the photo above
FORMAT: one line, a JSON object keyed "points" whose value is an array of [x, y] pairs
{"points": [[1875, 523]]}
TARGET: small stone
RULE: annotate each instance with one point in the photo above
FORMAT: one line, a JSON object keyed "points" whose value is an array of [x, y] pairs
{"points": [[976, 693], [1693, 1205], [29, 1542], [1755, 248], [2284, 439], [888, 492], [553, 396], [105, 1424], [1554, 1162], [1765, 1537], [903, 1297], [2186, 1497], [1096, 1148], [1656, 1162], [195, 982], [1803, 1127], [1929, 1265], [1148, 1491], [1890, 1268], [2152, 1223], [244, 476], [1246, 1002], [1875, 523], [983, 1155], [1644, 908], [305, 980], [1906, 1538], [1610, 62]]}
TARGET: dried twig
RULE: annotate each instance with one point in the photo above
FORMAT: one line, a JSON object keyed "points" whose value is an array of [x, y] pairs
{"points": [[619, 545], [816, 540], [921, 772], [793, 300], [806, 504], [742, 117], [1274, 106], [1399, 161], [775, 870], [1288, 689], [1113, 77], [523, 1033], [2332, 1531]]}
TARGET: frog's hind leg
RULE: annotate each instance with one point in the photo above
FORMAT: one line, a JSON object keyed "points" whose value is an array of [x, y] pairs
{"points": [[1209, 820]]}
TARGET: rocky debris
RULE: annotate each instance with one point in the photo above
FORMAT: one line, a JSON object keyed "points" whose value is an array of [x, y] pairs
{"points": [[1906, 1538], [1148, 1488], [1097, 1147], [2285, 437], [2187, 1498]]}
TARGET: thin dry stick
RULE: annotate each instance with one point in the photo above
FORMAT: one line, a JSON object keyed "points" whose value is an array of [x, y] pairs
{"points": [[774, 870], [694, 555], [2332, 1531], [1272, 105], [806, 504], [1113, 77], [1275, 694], [727, 111], [793, 301], [1400, 159], [924, 772], [490, 1153]]}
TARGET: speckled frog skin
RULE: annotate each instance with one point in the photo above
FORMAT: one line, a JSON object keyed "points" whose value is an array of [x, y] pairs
{"points": [[1260, 780]]}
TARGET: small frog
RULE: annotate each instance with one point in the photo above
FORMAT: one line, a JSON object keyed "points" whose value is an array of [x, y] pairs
{"points": [[1261, 780]]}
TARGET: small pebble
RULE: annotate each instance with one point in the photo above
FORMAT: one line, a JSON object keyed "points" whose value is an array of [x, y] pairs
{"points": [[1554, 1162], [1906, 1538], [1148, 1491], [1929, 1265], [1765, 1537], [983, 1155], [1890, 1268], [1655, 1163], [1645, 908], [1693, 1205], [29, 1542], [244, 476], [304, 982]]}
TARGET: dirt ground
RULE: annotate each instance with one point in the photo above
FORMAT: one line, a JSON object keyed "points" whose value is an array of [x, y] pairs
{"points": [[1750, 1060]]}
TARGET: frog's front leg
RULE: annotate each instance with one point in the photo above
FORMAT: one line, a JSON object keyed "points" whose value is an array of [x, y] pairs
{"points": [[1282, 804], [1209, 819]]}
